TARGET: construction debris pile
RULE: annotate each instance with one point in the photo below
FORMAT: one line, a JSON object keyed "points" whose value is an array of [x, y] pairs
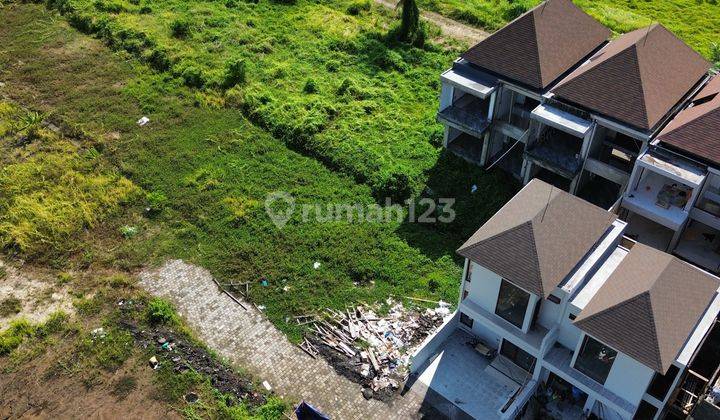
{"points": [[368, 348]]}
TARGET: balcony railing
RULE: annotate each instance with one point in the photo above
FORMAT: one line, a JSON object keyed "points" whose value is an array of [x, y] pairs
{"points": [[467, 114]]}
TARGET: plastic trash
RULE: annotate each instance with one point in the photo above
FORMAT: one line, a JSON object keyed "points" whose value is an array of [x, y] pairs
{"points": [[264, 282], [316, 265], [143, 121]]}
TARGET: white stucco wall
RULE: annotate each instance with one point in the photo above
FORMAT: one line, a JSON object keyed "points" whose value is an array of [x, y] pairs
{"points": [[550, 312], [484, 287], [628, 378]]}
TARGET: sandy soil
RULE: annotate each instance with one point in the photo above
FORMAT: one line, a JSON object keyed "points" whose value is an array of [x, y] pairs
{"points": [[39, 292]]}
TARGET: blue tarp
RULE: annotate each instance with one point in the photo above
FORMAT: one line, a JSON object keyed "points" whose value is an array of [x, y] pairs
{"points": [[305, 411]]}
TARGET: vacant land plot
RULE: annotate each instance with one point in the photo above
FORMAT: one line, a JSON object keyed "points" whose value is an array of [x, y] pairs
{"points": [[697, 22], [322, 76], [206, 172]]}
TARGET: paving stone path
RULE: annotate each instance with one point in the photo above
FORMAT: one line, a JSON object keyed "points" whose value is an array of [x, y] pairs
{"points": [[247, 339]]}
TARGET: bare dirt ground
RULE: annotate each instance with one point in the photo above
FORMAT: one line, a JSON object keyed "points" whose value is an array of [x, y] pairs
{"points": [[39, 294], [449, 27], [35, 392]]}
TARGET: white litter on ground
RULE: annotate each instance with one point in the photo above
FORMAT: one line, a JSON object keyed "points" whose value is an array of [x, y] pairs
{"points": [[142, 121]]}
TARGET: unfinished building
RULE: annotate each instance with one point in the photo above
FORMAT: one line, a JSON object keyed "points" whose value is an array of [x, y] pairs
{"points": [[629, 124], [561, 314]]}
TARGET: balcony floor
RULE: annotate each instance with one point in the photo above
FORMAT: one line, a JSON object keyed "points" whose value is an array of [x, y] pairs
{"points": [[559, 359], [465, 378]]}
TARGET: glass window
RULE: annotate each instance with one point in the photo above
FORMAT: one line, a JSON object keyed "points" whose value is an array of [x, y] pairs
{"points": [[466, 320], [469, 271], [595, 359], [512, 303], [660, 384], [517, 355]]}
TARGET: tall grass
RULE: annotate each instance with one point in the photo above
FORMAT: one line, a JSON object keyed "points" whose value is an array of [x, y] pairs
{"points": [[51, 189]]}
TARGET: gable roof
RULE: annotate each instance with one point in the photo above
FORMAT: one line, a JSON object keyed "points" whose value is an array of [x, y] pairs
{"points": [[696, 130], [538, 237], [541, 45], [649, 306], [636, 79]]}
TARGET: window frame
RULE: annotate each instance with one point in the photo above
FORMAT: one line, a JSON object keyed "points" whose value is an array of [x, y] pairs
{"points": [[513, 352], [586, 339], [512, 287], [462, 321]]}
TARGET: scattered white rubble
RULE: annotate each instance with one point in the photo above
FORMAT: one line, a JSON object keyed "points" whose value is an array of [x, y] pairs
{"points": [[378, 347]]}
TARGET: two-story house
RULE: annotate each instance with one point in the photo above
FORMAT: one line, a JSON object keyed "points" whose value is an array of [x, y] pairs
{"points": [[675, 187], [489, 93], [583, 320], [548, 96]]}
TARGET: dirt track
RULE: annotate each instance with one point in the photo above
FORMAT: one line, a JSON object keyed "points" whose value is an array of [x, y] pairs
{"points": [[449, 27]]}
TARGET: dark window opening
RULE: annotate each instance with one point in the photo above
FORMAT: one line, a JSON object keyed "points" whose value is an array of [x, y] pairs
{"points": [[465, 294], [554, 299], [645, 411], [517, 355], [661, 384], [466, 320], [572, 317], [595, 359], [512, 303], [565, 391], [469, 271]]}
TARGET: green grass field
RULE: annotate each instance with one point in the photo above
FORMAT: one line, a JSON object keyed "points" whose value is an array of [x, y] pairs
{"points": [[205, 172], [321, 76], [697, 22]]}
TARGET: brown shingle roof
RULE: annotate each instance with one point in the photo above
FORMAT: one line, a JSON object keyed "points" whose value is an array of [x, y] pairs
{"points": [[636, 79], [541, 45], [535, 247], [696, 130], [649, 306]]}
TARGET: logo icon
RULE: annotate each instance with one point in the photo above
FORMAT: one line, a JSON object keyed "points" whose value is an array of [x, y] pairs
{"points": [[280, 206]]}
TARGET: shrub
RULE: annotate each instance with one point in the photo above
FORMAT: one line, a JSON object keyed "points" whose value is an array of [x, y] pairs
{"points": [[109, 7], [396, 186], [310, 86], [11, 338], [193, 77], [235, 73], [715, 53], [128, 232], [180, 28], [157, 59], [10, 306], [160, 311], [81, 22], [156, 201], [356, 8]]}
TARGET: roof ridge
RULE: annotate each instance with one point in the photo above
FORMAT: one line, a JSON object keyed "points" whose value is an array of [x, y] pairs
{"points": [[656, 345], [534, 40], [535, 251], [694, 120], [512, 229]]}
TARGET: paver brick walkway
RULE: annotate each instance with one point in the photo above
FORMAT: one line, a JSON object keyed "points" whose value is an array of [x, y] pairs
{"points": [[247, 339]]}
